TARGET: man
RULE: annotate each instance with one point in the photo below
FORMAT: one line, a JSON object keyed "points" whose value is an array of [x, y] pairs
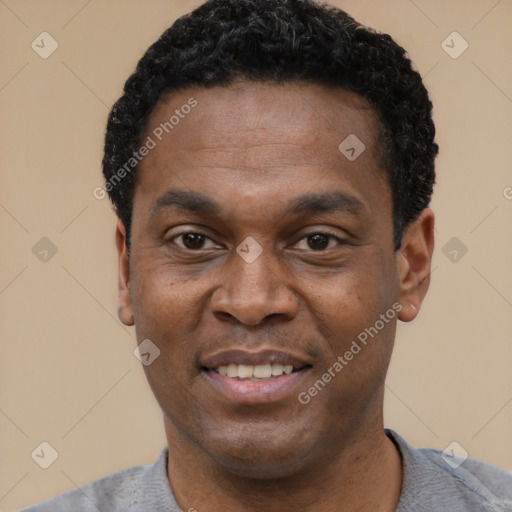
{"points": [[271, 164]]}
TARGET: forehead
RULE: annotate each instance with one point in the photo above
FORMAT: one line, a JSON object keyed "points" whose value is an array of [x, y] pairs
{"points": [[258, 139], [255, 111]]}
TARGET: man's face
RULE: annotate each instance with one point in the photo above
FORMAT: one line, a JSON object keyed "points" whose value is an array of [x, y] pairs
{"points": [[262, 161]]}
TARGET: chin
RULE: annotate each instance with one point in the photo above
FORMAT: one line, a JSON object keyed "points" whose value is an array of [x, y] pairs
{"points": [[260, 455]]}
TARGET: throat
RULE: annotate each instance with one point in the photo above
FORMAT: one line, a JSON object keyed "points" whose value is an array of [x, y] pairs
{"points": [[357, 478]]}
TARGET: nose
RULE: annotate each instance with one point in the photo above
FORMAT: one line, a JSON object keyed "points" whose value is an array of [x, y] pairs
{"points": [[252, 292]]}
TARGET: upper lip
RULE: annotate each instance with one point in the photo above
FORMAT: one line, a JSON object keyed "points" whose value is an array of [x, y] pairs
{"points": [[238, 356]]}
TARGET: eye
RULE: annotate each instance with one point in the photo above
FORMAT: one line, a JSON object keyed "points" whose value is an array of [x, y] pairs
{"points": [[193, 241], [319, 242]]}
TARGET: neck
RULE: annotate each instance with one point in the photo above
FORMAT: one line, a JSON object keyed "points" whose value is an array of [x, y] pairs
{"points": [[360, 474]]}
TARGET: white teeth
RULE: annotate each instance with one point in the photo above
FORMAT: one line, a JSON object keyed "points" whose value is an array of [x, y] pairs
{"points": [[223, 370], [277, 369], [248, 372], [245, 371], [262, 371], [288, 369], [232, 370]]}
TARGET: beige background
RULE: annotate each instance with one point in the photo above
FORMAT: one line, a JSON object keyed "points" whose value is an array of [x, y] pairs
{"points": [[68, 373]]}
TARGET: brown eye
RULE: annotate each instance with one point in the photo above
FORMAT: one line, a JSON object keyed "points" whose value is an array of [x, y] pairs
{"points": [[318, 242], [193, 241]]}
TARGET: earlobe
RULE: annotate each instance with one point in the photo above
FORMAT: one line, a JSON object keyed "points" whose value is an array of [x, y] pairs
{"points": [[413, 264], [124, 311]]}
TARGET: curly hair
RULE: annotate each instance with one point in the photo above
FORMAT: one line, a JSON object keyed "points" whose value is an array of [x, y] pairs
{"points": [[283, 41]]}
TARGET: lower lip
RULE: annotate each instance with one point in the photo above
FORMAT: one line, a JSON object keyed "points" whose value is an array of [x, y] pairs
{"points": [[255, 392]]}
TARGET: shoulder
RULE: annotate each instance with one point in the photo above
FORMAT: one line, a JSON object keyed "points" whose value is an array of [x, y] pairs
{"points": [[481, 478], [118, 491], [434, 480]]}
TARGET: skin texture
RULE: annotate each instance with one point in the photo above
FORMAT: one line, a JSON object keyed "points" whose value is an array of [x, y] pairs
{"points": [[252, 148]]}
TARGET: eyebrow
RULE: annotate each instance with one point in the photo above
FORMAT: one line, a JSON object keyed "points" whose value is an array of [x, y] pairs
{"points": [[185, 200], [196, 202], [326, 202]]}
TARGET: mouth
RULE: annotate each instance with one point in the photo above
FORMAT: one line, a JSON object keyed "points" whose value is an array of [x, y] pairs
{"points": [[251, 378], [261, 372]]}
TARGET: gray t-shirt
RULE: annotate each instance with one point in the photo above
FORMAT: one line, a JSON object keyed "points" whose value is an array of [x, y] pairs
{"points": [[430, 484]]}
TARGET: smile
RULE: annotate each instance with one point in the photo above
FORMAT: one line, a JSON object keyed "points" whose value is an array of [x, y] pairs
{"points": [[242, 377], [254, 373]]}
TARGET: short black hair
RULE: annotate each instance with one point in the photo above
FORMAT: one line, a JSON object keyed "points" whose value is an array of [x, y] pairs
{"points": [[282, 41]]}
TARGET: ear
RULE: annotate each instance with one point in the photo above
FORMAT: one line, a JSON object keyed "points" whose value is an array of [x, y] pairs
{"points": [[124, 311], [413, 264]]}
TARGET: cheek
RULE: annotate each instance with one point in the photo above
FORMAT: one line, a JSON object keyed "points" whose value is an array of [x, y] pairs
{"points": [[347, 312], [348, 315], [165, 310], [163, 304], [346, 302]]}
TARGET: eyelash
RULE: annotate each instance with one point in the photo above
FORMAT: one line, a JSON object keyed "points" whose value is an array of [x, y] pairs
{"points": [[178, 235], [330, 236]]}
